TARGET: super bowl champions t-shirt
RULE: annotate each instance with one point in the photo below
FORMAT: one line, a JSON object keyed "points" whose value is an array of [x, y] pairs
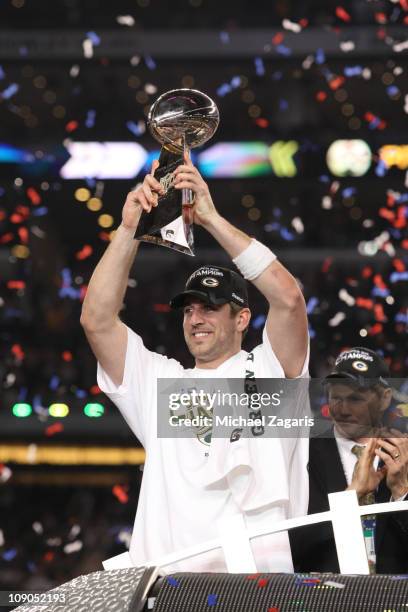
{"points": [[178, 507]]}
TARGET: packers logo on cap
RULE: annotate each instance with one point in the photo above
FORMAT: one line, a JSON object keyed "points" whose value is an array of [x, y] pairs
{"points": [[210, 282], [360, 366]]}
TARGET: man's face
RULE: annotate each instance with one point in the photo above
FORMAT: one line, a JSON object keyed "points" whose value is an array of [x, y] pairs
{"points": [[356, 411], [211, 332]]}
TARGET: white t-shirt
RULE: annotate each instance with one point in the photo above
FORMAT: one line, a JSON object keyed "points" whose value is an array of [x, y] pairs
{"points": [[176, 508]]}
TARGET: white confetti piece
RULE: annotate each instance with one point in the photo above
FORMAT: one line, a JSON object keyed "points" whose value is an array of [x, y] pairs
{"points": [[38, 528], [337, 319], [87, 47], [126, 20], [291, 26], [73, 547], [346, 297], [336, 585]]}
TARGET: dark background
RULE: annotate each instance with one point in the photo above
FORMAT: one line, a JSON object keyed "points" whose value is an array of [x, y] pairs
{"points": [[292, 86]]}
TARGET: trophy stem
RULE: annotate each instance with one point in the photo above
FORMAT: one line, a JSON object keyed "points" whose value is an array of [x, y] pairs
{"points": [[187, 198]]}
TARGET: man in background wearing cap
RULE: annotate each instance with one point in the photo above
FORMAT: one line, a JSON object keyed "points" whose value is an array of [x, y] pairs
{"points": [[363, 455], [189, 484]]}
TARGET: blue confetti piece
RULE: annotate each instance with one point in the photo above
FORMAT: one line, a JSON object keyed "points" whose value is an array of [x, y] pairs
{"points": [[398, 276], [320, 57], [236, 82], [8, 555], [150, 63], [2, 73], [283, 104], [39, 212], [348, 192], [392, 90], [134, 128], [212, 599], [350, 71], [224, 37], [324, 178], [381, 168], [283, 50], [311, 305], [223, 90], [374, 123], [259, 66], [7, 93], [23, 51], [80, 393], [54, 382], [258, 322], [401, 317], [378, 292], [90, 118], [22, 394], [286, 234], [172, 581], [312, 333], [402, 198], [94, 38], [31, 567]]}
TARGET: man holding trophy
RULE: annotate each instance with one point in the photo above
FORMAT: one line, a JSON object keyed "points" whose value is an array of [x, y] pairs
{"points": [[191, 486]]}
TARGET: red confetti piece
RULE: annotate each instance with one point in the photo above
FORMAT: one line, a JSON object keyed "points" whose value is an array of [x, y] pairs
{"points": [[404, 244], [379, 313], [71, 126], [262, 122], [85, 252], [23, 210], [303, 22], [2, 215], [82, 292], [273, 609], [387, 214], [326, 264], [94, 390], [104, 236], [121, 494], [49, 556], [53, 429], [17, 352], [367, 272], [380, 17], [6, 238], [381, 33], [406, 20], [16, 218], [364, 303], [67, 356], [278, 38], [324, 410], [23, 233], [321, 96], [16, 284], [375, 329], [161, 307], [404, 5], [399, 265], [336, 82], [342, 14], [34, 196], [262, 582], [379, 281]]}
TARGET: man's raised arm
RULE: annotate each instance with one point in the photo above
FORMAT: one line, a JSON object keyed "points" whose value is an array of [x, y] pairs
{"points": [[286, 325], [106, 290]]}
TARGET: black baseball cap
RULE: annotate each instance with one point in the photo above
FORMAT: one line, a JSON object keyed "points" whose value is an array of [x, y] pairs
{"points": [[361, 365], [213, 285]]}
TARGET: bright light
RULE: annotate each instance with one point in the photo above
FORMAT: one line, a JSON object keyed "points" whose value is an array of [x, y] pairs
{"points": [[348, 157], [58, 411], [94, 410], [22, 410]]}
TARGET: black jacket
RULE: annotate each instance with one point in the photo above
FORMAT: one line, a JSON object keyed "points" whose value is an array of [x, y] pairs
{"points": [[313, 547]]}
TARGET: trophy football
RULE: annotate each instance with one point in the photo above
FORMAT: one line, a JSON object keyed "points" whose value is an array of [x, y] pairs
{"points": [[180, 119]]}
